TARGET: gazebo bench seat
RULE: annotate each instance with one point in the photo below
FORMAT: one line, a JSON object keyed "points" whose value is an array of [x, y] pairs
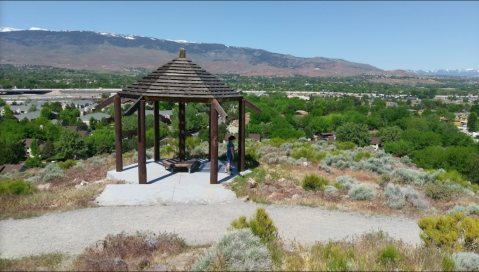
{"points": [[171, 164]]}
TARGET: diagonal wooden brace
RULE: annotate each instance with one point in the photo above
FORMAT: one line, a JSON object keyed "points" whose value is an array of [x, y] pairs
{"points": [[105, 103], [219, 109], [134, 107], [252, 106]]}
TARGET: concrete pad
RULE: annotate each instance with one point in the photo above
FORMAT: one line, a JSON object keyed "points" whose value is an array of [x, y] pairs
{"points": [[165, 187]]}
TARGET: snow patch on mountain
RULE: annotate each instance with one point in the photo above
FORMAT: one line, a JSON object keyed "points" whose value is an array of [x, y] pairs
{"points": [[9, 29]]}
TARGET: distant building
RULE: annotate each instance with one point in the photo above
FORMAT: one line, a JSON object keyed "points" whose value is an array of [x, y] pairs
{"points": [[375, 142], [97, 116]]}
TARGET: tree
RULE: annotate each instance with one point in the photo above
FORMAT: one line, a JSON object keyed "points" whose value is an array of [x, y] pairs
{"points": [[390, 134], [32, 108], [471, 121], [35, 150], [46, 112], [70, 145], [48, 150], [8, 112], [356, 133]]}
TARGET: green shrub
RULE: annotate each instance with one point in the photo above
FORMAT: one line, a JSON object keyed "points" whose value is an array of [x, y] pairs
{"points": [[360, 192], [308, 154], [239, 223], [453, 176], [51, 172], [276, 142], [345, 145], [362, 155], [262, 226], [15, 187], [314, 182], [238, 250], [128, 155], [33, 162], [395, 196], [452, 233], [448, 263], [406, 160], [440, 191], [80, 165], [338, 186], [383, 179], [67, 164], [389, 254]]}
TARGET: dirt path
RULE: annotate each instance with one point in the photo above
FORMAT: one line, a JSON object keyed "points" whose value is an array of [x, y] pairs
{"points": [[71, 232]]}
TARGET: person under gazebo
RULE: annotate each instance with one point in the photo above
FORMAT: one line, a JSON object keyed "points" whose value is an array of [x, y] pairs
{"points": [[230, 154]]}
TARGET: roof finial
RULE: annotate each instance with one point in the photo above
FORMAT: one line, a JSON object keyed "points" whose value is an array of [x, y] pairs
{"points": [[182, 53]]}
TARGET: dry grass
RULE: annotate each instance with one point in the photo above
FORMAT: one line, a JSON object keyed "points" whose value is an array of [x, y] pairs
{"points": [[362, 254], [124, 252], [44, 262], [287, 179], [61, 195]]}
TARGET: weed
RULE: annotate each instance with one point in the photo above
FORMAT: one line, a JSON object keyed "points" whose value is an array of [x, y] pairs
{"points": [[389, 254], [15, 187], [313, 182], [448, 263]]}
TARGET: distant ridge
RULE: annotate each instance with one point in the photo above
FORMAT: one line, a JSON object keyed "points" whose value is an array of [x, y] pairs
{"points": [[97, 50], [447, 72]]}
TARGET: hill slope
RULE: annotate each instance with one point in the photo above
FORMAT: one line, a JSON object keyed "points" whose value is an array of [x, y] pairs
{"points": [[108, 51]]}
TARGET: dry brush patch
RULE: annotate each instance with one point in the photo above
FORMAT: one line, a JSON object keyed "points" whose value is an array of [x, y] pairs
{"points": [[61, 194], [44, 262]]}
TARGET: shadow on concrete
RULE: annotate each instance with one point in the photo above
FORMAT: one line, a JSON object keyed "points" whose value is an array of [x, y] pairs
{"points": [[162, 177]]}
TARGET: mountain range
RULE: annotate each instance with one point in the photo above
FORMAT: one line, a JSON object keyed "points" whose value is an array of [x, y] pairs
{"points": [[447, 72], [94, 50]]}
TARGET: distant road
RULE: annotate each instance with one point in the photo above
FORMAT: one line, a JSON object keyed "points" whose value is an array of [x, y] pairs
{"points": [[45, 91]]}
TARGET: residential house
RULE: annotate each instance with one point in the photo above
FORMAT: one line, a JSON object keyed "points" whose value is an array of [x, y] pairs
{"points": [[29, 115], [255, 136], [10, 167], [391, 104], [375, 142], [97, 116], [301, 112]]}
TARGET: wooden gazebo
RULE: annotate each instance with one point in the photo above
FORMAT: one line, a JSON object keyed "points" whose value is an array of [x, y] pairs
{"points": [[181, 81]]}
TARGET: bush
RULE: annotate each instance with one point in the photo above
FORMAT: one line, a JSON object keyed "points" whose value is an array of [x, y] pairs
{"points": [[360, 192], [473, 208], [378, 165], [383, 179], [362, 155], [262, 226], [33, 162], [415, 199], [328, 189], [346, 181], [453, 232], [440, 191], [238, 250], [389, 254], [15, 187], [67, 164], [409, 176], [80, 165], [395, 196], [466, 261], [51, 172], [309, 154], [345, 145], [453, 176], [314, 183], [326, 168], [33, 179], [456, 209], [406, 160]]}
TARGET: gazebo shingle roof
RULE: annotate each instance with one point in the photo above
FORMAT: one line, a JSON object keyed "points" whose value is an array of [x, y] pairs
{"points": [[181, 78]]}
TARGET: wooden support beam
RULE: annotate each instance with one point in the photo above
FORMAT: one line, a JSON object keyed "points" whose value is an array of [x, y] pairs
{"points": [[107, 102], [118, 136], [156, 127], [209, 142], [134, 107], [182, 128], [253, 106], [214, 145], [219, 109], [176, 98], [241, 136], [141, 143]]}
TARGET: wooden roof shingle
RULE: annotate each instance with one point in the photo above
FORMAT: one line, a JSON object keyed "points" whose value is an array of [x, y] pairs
{"points": [[181, 79]]}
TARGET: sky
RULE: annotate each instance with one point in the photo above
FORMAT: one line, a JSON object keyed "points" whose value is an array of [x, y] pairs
{"points": [[389, 35]]}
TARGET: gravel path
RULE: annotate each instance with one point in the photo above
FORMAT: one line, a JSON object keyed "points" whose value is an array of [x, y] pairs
{"points": [[72, 231]]}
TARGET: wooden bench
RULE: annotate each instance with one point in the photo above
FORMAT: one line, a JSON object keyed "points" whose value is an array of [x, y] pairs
{"points": [[171, 164]]}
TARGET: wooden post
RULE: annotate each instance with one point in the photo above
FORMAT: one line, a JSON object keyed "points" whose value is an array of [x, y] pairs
{"points": [[241, 136], [118, 137], [182, 127], [156, 138], [141, 144], [209, 142], [214, 145]]}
